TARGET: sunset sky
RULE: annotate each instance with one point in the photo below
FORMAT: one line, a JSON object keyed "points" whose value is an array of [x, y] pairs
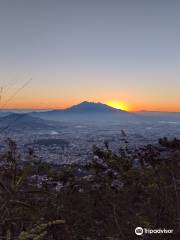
{"points": [[125, 51]]}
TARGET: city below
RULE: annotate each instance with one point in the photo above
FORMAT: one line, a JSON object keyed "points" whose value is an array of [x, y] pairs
{"points": [[68, 136]]}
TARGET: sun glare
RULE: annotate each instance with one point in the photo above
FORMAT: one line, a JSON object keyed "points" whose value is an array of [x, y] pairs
{"points": [[118, 105]]}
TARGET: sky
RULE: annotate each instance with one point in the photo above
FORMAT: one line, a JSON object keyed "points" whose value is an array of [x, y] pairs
{"points": [[56, 53]]}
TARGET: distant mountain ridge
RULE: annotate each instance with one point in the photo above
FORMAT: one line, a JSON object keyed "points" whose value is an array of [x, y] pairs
{"points": [[90, 107], [85, 112], [22, 120]]}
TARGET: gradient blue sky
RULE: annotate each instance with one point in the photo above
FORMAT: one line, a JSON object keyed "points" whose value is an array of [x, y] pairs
{"points": [[96, 50]]}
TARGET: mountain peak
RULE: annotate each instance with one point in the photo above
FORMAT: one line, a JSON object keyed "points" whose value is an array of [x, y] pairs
{"points": [[92, 107], [87, 112]]}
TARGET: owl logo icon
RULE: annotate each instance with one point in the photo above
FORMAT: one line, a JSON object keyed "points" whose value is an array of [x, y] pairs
{"points": [[139, 231]]}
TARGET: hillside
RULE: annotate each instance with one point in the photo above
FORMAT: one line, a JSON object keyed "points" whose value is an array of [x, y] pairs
{"points": [[86, 112], [17, 120]]}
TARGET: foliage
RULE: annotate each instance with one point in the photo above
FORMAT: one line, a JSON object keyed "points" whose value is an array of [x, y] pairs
{"points": [[113, 195]]}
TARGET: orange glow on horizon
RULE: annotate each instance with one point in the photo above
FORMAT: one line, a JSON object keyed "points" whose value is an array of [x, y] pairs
{"points": [[127, 106], [118, 105]]}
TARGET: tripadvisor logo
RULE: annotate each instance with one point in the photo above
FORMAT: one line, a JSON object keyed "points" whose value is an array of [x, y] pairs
{"points": [[140, 231]]}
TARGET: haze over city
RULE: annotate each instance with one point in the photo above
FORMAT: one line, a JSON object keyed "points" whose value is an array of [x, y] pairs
{"points": [[89, 119], [122, 53]]}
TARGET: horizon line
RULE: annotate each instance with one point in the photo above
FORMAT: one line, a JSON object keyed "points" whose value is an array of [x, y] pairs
{"points": [[63, 108]]}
